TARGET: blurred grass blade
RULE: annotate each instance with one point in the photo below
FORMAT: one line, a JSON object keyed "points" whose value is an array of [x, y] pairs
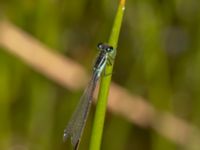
{"points": [[97, 130]]}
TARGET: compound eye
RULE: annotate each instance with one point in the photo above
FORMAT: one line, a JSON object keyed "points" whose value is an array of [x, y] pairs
{"points": [[109, 49], [100, 46]]}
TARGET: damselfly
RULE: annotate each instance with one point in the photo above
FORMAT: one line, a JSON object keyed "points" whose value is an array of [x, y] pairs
{"points": [[77, 123]]}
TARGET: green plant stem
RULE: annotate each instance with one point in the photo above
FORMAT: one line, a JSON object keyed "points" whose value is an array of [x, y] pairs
{"points": [[97, 130]]}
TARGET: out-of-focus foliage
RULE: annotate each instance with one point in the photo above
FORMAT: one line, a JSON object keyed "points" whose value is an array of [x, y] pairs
{"points": [[158, 58]]}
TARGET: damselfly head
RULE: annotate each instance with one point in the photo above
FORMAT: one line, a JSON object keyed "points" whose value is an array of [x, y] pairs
{"points": [[105, 47]]}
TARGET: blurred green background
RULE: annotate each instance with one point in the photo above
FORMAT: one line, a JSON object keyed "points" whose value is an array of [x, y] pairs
{"points": [[158, 58]]}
